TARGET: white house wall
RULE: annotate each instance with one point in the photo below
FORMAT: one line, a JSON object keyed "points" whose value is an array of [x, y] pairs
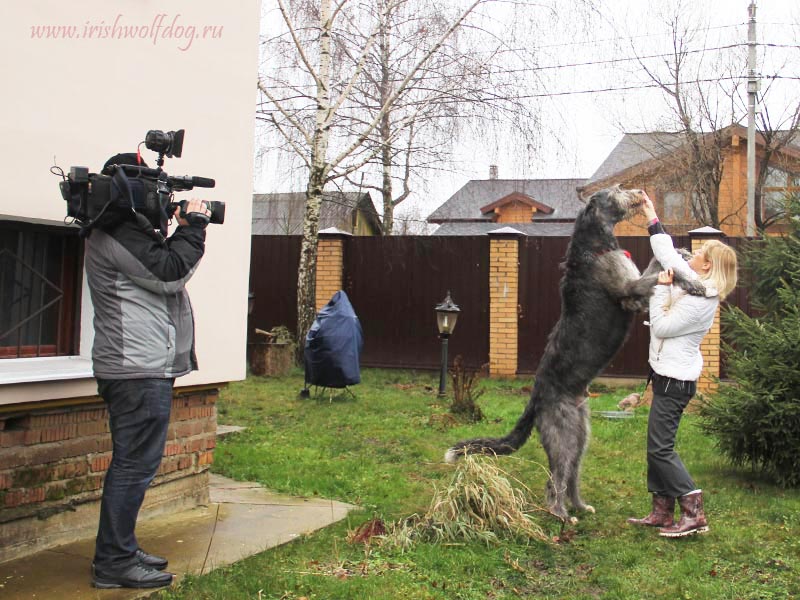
{"points": [[79, 101]]}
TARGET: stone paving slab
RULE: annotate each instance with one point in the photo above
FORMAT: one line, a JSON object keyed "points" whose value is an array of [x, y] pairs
{"points": [[243, 519]]}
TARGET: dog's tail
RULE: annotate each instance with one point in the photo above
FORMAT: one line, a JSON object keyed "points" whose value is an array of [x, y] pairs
{"points": [[507, 444]]}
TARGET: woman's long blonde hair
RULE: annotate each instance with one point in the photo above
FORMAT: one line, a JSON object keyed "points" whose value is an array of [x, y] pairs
{"points": [[723, 266]]}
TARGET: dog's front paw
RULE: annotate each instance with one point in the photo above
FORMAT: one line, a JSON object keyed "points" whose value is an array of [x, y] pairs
{"points": [[635, 304], [693, 288]]}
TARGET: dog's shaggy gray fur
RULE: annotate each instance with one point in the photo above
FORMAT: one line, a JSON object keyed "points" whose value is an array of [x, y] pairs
{"points": [[601, 290]]}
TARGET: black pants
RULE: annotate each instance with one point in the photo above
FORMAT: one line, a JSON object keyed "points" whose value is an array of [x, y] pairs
{"points": [[666, 474], [139, 418]]}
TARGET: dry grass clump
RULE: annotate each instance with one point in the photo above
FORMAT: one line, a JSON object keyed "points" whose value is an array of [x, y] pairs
{"points": [[479, 503]]}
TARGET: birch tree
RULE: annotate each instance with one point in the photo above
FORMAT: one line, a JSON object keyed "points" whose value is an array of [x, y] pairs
{"points": [[305, 121], [472, 80]]}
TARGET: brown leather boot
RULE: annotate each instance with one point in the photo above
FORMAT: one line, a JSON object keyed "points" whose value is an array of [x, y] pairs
{"points": [[693, 518], [661, 515]]}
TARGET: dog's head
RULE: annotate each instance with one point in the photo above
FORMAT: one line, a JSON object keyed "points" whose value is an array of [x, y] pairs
{"points": [[615, 204]]}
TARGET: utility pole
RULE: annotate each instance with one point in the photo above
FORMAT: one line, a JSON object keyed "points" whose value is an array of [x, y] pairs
{"points": [[752, 91]]}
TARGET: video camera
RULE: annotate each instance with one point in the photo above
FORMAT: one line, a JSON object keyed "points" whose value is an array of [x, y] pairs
{"points": [[136, 188]]}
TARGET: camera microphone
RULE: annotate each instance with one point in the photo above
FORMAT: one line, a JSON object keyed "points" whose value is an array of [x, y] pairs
{"points": [[187, 182], [203, 182]]}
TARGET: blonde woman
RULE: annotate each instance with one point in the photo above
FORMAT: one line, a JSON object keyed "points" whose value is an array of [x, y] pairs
{"points": [[678, 323]]}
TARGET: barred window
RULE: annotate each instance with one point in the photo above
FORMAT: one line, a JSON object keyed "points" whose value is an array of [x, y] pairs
{"points": [[40, 286], [675, 207], [778, 185]]}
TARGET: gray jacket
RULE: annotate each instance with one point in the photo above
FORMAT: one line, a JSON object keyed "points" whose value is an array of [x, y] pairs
{"points": [[143, 320]]}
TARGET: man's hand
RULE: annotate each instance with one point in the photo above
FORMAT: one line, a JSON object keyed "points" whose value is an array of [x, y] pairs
{"points": [[665, 277], [196, 213]]}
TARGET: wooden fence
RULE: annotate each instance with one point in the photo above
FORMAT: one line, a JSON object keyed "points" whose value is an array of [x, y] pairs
{"points": [[395, 282]]}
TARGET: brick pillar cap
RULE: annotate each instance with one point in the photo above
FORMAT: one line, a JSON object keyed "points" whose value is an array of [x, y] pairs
{"points": [[332, 231], [506, 231], [706, 231]]}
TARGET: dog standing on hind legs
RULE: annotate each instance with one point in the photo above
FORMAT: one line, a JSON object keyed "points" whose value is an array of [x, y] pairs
{"points": [[601, 291]]}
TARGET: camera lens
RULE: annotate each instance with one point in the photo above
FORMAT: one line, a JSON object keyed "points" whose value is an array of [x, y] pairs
{"points": [[169, 143]]}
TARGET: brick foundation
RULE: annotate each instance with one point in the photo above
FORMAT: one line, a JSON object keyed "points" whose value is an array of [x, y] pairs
{"points": [[53, 460]]}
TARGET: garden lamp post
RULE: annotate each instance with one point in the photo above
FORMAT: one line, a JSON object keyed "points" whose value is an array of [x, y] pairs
{"points": [[446, 317]]}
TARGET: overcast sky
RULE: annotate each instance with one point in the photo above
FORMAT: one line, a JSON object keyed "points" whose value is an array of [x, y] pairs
{"points": [[582, 123]]}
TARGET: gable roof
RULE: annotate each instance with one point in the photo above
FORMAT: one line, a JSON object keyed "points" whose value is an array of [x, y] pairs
{"points": [[534, 229], [520, 198], [465, 205], [283, 213], [636, 150]]}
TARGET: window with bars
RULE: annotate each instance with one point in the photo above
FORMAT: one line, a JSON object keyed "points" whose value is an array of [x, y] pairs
{"points": [[677, 205], [778, 184], [40, 285]]}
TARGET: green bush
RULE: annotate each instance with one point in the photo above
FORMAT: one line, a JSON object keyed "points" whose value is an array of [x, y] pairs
{"points": [[756, 420]]}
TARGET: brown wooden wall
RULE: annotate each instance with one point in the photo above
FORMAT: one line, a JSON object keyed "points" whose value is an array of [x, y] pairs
{"points": [[273, 278], [540, 302], [539, 296], [395, 282]]}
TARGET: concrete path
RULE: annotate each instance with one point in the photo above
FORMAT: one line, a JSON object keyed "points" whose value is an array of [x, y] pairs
{"points": [[243, 519]]}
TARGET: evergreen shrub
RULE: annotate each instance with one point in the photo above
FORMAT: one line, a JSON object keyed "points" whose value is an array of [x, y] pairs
{"points": [[756, 419]]}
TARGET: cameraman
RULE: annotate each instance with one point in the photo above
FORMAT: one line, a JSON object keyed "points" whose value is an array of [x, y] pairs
{"points": [[144, 339]]}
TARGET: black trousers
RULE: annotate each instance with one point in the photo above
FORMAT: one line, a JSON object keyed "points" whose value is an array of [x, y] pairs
{"points": [[139, 418], [666, 473]]}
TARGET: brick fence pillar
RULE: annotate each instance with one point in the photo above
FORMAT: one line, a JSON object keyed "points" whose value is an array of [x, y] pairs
{"points": [[710, 346], [330, 264], [503, 301]]}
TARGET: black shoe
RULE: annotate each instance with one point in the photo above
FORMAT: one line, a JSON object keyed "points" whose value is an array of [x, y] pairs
{"points": [[135, 576], [151, 560]]}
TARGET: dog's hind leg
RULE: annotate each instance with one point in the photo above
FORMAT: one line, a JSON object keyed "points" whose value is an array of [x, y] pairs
{"points": [[574, 475], [560, 444]]}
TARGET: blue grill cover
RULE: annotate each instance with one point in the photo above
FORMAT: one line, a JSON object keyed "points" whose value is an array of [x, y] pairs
{"points": [[332, 351]]}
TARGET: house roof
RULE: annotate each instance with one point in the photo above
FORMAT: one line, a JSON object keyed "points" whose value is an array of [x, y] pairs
{"points": [[636, 148], [466, 204], [517, 197], [283, 213], [535, 229], [639, 148]]}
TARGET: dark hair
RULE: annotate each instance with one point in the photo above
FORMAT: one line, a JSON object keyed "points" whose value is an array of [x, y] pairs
{"points": [[124, 158]]}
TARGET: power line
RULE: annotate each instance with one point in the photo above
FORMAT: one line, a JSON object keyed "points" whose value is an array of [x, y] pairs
{"points": [[617, 60], [625, 88], [634, 37], [594, 63], [778, 45], [615, 88]]}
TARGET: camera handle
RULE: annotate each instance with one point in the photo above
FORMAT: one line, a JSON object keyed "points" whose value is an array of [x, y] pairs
{"points": [[193, 218]]}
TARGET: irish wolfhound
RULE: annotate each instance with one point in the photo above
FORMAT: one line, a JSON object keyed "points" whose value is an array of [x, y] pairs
{"points": [[601, 290]]}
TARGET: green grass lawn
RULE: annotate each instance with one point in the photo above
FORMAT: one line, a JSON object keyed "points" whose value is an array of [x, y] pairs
{"points": [[383, 452]]}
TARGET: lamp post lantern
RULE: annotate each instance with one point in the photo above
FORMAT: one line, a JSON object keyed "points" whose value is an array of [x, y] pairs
{"points": [[446, 317]]}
